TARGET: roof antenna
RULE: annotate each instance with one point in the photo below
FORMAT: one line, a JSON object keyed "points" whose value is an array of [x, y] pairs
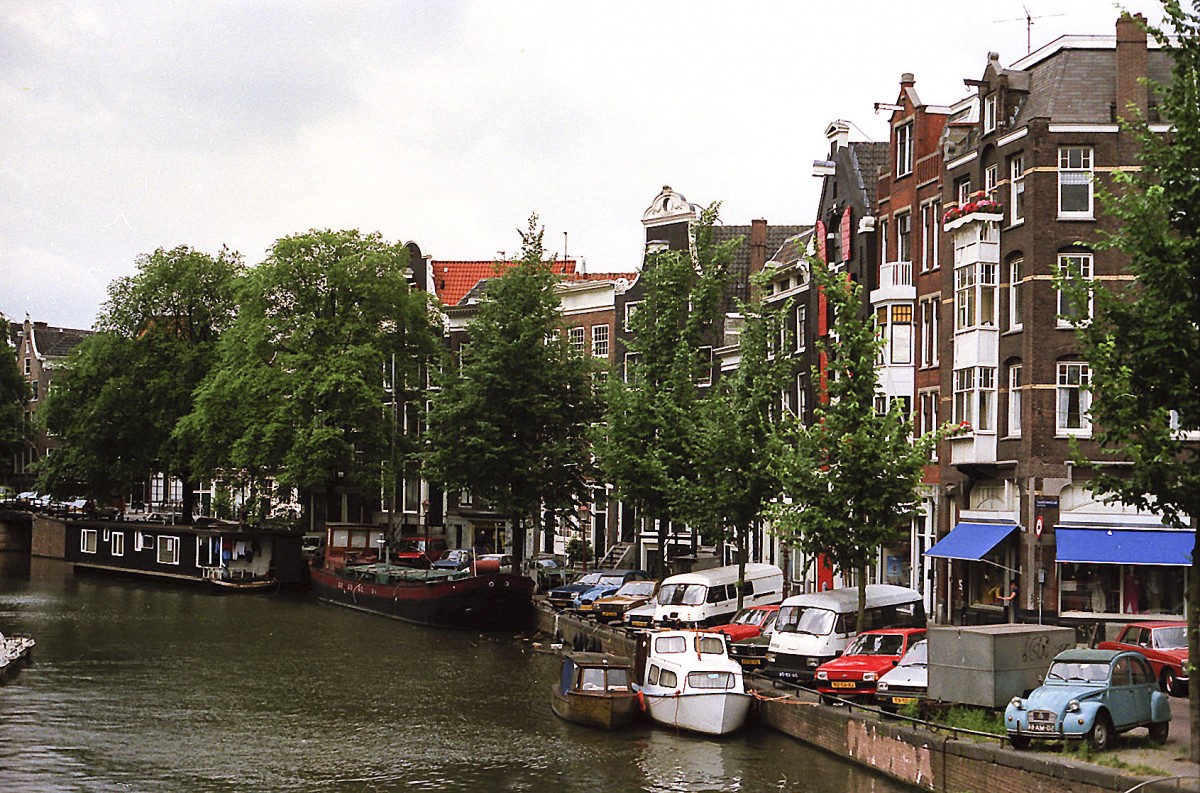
{"points": [[1028, 19]]}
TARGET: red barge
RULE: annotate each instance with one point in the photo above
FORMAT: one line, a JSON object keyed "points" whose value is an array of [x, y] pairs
{"points": [[349, 575]]}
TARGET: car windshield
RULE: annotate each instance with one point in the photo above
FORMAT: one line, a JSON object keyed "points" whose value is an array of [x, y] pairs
{"points": [[1078, 672], [802, 619], [591, 579], [750, 617], [637, 588], [1173, 638], [682, 595], [611, 580], [917, 655], [876, 644]]}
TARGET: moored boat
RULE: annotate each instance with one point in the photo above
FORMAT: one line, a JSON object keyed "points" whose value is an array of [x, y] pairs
{"points": [[595, 690], [350, 575], [14, 649], [688, 681]]}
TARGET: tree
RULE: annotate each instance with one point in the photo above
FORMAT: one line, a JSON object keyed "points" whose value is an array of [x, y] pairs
{"points": [[1143, 341], [131, 382], [853, 475], [299, 389], [510, 422], [642, 447], [734, 442], [14, 395]]}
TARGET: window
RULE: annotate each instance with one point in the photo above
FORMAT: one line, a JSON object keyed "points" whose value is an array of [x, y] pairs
{"points": [[901, 334], [168, 550], [904, 237], [975, 397], [631, 360], [1075, 182], [706, 366], [1014, 294], [1074, 267], [576, 338], [964, 297], [600, 341], [28, 366], [975, 295], [117, 541], [962, 190], [883, 240], [929, 236], [1014, 400], [991, 177], [87, 540], [964, 387], [1016, 189], [630, 310], [1074, 399], [990, 105], [794, 325], [929, 331], [928, 405], [986, 414], [904, 149], [33, 391]]}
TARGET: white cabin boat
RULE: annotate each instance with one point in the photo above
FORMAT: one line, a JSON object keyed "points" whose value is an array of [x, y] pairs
{"points": [[688, 681]]}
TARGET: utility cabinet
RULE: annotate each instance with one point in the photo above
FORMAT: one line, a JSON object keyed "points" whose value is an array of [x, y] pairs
{"points": [[988, 665]]}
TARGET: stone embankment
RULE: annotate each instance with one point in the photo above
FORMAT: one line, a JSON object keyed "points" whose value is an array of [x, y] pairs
{"points": [[929, 760]]}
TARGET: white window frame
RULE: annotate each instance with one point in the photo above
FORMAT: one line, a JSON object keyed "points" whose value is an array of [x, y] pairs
{"points": [[904, 237], [990, 112], [900, 333], [576, 338], [630, 309], [991, 178], [800, 314], [964, 401], [1015, 375], [167, 549], [1072, 376], [1016, 189], [1086, 268], [964, 190], [928, 400], [630, 361], [117, 543], [929, 236], [1076, 164], [88, 540], [904, 149], [930, 308], [1015, 320], [600, 337], [975, 398]]}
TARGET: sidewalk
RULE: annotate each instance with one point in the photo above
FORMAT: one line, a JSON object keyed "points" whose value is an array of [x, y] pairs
{"points": [[1171, 757]]}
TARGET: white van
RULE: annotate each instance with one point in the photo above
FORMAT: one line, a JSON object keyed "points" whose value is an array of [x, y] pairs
{"points": [[815, 628], [708, 597]]}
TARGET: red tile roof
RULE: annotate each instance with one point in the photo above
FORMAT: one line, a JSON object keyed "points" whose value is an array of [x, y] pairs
{"points": [[453, 280]]}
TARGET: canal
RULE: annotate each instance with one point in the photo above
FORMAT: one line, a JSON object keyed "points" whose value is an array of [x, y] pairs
{"points": [[137, 687]]}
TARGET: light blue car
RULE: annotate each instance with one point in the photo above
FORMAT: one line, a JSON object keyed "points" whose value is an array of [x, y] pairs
{"points": [[1091, 694]]}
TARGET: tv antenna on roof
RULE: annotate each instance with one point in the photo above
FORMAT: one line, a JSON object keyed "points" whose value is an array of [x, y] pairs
{"points": [[1028, 19]]}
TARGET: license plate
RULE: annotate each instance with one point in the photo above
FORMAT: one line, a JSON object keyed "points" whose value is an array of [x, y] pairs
{"points": [[1041, 728], [751, 661], [842, 684], [585, 607], [904, 700]]}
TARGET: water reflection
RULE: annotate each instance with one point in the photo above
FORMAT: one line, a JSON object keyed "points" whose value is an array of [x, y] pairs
{"points": [[140, 687]]}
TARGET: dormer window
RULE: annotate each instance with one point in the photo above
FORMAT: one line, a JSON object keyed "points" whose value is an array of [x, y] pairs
{"points": [[990, 112], [904, 149]]}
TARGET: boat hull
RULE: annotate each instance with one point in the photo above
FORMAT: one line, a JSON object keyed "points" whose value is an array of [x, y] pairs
{"points": [[602, 711], [498, 602], [715, 713]]}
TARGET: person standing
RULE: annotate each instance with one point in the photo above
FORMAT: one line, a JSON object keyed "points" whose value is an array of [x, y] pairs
{"points": [[1010, 601]]}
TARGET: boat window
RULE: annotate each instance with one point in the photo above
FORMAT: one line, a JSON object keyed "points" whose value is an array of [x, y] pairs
{"points": [[652, 675], [618, 680], [670, 644], [710, 645], [341, 538], [805, 619], [682, 595], [720, 680], [591, 679], [668, 679]]}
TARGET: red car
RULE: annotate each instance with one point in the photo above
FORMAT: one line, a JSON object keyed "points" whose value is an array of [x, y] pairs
{"points": [[1164, 644], [749, 622], [855, 672]]}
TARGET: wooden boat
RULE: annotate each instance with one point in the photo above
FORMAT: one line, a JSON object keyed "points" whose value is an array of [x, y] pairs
{"points": [[595, 690], [689, 682]]}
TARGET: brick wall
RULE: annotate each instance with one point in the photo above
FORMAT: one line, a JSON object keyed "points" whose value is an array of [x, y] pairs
{"points": [[49, 538]]}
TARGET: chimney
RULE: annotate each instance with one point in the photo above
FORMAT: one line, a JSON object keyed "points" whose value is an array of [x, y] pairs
{"points": [[1132, 66], [907, 80], [758, 245], [838, 135]]}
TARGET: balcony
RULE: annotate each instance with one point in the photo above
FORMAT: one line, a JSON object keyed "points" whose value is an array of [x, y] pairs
{"points": [[973, 449], [895, 283]]}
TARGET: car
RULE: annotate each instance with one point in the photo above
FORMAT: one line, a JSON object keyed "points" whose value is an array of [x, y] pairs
{"points": [[550, 572], [564, 596], [749, 622], [752, 653], [492, 563], [1093, 695], [608, 584], [641, 616], [453, 559], [418, 551], [908, 682], [1165, 646], [872, 653], [611, 608]]}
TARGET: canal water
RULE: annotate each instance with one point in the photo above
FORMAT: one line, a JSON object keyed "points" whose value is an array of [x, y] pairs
{"points": [[137, 687]]}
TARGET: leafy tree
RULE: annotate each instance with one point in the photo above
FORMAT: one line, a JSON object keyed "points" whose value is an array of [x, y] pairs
{"points": [[734, 442], [13, 397], [853, 475], [130, 383], [299, 387], [510, 423], [1143, 342], [643, 447]]}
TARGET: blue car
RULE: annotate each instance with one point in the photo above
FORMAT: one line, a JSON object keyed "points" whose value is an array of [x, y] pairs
{"points": [[610, 581], [1092, 694]]}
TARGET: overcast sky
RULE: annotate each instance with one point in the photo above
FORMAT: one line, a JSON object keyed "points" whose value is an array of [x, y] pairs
{"points": [[130, 126]]}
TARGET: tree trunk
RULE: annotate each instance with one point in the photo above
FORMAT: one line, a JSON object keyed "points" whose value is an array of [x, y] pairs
{"points": [[663, 525], [189, 501], [1193, 632]]}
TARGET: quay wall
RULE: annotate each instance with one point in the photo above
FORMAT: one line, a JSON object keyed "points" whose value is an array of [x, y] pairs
{"points": [[15, 530]]}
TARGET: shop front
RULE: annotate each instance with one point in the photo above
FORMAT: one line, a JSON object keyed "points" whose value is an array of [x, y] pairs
{"points": [[979, 556]]}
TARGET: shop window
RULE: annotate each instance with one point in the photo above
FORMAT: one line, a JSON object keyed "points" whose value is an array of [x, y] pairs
{"points": [[988, 581], [1121, 589]]}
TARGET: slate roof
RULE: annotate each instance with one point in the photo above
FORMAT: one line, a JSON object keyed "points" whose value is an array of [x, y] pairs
{"points": [[739, 287], [792, 249], [868, 159], [56, 342], [1077, 86]]}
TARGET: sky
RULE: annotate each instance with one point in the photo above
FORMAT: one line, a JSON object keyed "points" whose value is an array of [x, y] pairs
{"points": [[132, 126]]}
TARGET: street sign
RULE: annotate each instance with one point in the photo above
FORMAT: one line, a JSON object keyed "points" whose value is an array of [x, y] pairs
{"points": [[1037, 527]]}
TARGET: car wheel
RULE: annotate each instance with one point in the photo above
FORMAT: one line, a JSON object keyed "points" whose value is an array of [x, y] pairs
{"points": [[1019, 742], [1101, 735], [1159, 732], [1170, 682]]}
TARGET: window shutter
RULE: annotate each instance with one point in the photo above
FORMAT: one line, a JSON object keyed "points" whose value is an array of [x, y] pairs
{"points": [[821, 241], [846, 235]]}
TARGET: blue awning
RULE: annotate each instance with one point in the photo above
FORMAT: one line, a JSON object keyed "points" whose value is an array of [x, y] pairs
{"points": [[971, 541], [1125, 546]]}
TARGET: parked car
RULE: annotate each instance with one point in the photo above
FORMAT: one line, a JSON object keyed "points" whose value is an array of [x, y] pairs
{"points": [[632, 594], [453, 559], [856, 671], [1165, 646], [564, 596], [752, 653], [492, 563], [608, 584], [1092, 694], [908, 682], [418, 551], [550, 572], [749, 622], [641, 616]]}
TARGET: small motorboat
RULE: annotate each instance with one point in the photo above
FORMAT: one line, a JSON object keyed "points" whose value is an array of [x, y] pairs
{"points": [[14, 649], [688, 681], [596, 690]]}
